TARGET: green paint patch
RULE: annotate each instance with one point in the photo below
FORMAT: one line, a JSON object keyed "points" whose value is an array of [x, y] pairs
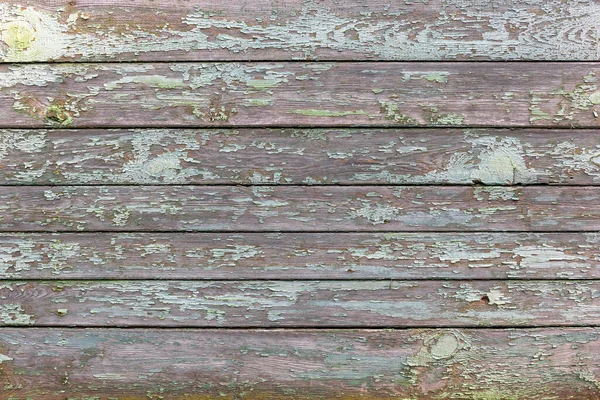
{"points": [[18, 35], [439, 77], [259, 102], [262, 83], [536, 114], [327, 113], [595, 98], [377, 90], [154, 81]]}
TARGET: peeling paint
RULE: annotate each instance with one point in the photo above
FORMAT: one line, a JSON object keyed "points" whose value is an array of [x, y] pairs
{"points": [[13, 314], [314, 30], [492, 160]]}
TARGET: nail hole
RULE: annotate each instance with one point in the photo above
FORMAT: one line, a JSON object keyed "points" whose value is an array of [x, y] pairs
{"points": [[485, 299]]}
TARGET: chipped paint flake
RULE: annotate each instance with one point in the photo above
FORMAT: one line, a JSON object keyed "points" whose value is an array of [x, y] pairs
{"points": [[13, 314]]}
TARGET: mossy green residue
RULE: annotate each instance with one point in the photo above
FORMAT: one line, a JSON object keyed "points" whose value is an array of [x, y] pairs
{"points": [[56, 113], [493, 395], [447, 119], [327, 113], [391, 112], [310, 134], [52, 111]]}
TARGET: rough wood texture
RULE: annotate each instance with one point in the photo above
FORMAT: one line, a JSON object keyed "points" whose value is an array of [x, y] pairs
{"points": [[311, 240], [300, 256], [300, 94], [300, 303], [308, 208], [298, 29], [550, 364], [299, 156]]}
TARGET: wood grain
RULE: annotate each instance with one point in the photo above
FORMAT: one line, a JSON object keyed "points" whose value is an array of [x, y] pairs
{"points": [[135, 364], [37, 30], [300, 303], [295, 94], [299, 156], [314, 256], [297, 208]]}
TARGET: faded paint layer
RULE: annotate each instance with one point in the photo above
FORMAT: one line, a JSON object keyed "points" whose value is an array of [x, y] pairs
{"points": [[298, 29]]}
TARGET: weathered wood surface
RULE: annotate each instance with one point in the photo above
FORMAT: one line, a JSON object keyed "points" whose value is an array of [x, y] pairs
{"points": [[300, 94], [300, 156], [36, 30], [550, 364], [299, 208], [300, 256], [382, 303]]}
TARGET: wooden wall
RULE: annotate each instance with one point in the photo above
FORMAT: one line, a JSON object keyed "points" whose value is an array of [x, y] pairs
{"points": [[299, 199]]}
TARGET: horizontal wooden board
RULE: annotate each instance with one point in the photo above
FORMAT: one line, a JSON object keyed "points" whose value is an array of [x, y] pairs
{"points": [[299, 156], [300, 256], [299, 208], [297, 304], [37, 30], [550, 364], [300, 94]]}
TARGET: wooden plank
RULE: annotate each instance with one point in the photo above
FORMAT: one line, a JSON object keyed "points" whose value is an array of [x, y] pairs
{"points": [[299, 208], [300, 94], [300, 303], [47, 364], [300, 156], [300, 256], [37, 30]]}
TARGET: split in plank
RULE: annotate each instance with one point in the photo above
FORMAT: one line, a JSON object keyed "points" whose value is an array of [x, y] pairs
{"points": [[422, 364], [296, 304], [299, 208], [300, 94], [299, 156], [300, 256], [36, 30]]}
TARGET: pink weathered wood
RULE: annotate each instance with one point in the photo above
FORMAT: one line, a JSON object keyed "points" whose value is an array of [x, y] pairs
{"points": [[260, 256], [285, 208], [137, 364], [300, 94], [39, 30], [299, 156], [382, 303], [300, 256]]}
